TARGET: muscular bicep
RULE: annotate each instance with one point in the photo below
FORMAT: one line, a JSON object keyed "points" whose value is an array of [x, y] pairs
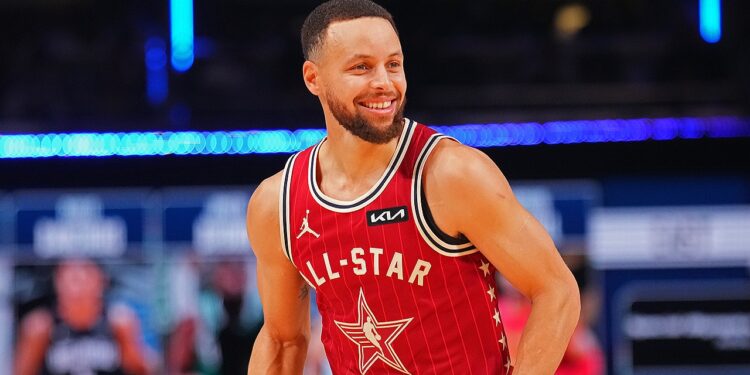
{"points": [[516, 244], [283, 292], [477, 201], [285, 299]]}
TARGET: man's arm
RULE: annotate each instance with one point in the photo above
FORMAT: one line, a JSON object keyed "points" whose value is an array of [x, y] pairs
{"points": [[127, 332], [180, 347], [33, 340], [468, 194], [281, 345]]}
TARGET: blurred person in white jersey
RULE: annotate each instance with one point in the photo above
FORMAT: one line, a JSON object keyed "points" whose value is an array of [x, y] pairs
{"points": [[80, 335]]}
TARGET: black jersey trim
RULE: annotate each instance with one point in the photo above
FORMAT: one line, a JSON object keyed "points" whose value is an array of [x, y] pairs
{"points": [[367, 198], [284, 207], [427, 227], [430, 221]]}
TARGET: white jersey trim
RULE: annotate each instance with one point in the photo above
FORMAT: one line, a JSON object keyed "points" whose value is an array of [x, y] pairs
{"points": [[284, 207], [340, 206], [284, 223], [425, 230]]}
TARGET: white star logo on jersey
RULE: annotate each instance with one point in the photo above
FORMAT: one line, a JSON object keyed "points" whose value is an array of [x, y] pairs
{"points": [[485, 267], [374, 338], [491, 292], [496, 317]]}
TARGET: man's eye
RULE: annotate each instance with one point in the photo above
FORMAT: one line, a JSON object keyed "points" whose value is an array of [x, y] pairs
{"points": [[360, 67], [394, 64]]}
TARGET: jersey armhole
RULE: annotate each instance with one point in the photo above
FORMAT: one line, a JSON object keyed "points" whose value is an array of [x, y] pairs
{"points": [[284, 223], [438, 240], [430, 221], [284, 195]]}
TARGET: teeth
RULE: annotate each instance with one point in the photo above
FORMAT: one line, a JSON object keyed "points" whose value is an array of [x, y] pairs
{"points": [[379, 105]]}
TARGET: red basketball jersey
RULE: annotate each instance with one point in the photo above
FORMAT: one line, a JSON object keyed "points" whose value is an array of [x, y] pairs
{"points": [[396, 295]]}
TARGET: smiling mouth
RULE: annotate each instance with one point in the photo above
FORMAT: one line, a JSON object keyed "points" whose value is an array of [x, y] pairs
{"points": [[384, 106], [379, 105]]}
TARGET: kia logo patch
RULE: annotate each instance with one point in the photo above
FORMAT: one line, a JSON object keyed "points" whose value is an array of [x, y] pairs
{"points": [[387, 216]]}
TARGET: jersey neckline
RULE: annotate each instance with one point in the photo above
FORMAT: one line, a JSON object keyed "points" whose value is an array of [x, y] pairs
{"points": [[366, 198]]}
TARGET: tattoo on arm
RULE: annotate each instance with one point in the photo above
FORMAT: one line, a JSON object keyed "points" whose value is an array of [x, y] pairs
{"points": [[304, 292]]}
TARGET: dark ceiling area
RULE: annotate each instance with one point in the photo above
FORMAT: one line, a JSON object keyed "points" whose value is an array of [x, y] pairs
{"points": [[79, 64]]}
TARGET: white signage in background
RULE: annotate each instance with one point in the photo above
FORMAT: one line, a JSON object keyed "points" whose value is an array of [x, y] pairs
{"points": [[725, 331], [80, 229], [669, 236], [220, 228], [681, 326], [540, 202]]}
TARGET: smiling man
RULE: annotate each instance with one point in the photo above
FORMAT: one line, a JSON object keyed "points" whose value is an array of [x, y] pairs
{"points": [[397, 228]]}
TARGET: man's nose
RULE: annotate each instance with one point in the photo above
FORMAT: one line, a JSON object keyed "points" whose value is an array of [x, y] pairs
{"points": [[381, 79]]}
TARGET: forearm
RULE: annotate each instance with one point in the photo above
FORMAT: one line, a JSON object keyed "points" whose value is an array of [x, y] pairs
{"points": [[274, 356], [554, 316]]}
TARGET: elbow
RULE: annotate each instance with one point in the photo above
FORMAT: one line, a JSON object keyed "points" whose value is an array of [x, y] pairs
{"points": [[278, 352], [563, 297], [285, 338], [573, 296], [298, 341], [569, 300]]}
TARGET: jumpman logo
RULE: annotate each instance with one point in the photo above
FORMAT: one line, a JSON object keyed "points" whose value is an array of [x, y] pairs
{"points": [[305, 228]]}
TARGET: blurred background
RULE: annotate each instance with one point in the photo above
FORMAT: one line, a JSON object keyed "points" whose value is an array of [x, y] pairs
{"points": [[132, 134]]}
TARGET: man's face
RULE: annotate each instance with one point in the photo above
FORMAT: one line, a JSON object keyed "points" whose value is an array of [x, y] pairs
{"points": [[79, 280], [361, 78]]}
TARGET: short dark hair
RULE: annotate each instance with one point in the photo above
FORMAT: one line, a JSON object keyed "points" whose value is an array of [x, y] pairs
{"points": [[317, 22]]}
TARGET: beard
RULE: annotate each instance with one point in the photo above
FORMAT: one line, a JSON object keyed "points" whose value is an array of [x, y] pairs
{"points": [[360, 127]]}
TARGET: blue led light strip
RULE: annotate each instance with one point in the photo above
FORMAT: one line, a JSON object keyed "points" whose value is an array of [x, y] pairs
{"points": [[181, 33], [288, 141], [710, 20]]}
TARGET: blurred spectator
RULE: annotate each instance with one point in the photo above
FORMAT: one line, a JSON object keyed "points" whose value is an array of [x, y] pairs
{"points": [[217, 335], [80, 335]]}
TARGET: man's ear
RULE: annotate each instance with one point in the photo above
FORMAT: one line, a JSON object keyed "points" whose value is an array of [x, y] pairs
{"points": [[310, 76]]}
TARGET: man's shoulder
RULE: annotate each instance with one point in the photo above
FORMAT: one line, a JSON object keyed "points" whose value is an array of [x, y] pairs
{"points": [[38, 322], [453, 161], [270, 185], [454, 169], [265, 198]]}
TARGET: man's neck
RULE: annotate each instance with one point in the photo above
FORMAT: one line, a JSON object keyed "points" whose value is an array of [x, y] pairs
{"points": [[349, 165], [80, 315]]}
